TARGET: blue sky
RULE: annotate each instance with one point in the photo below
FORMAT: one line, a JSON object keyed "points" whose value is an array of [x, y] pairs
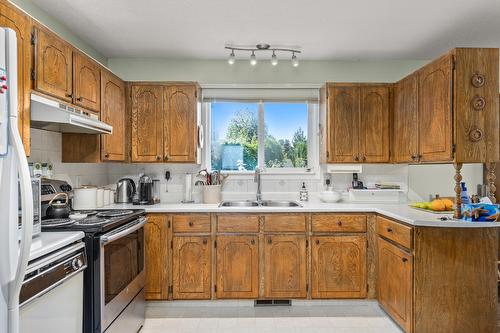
{"points": [[282, 119]]}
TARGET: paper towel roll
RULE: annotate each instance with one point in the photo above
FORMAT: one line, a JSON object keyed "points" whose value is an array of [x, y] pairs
{"points": [[188, 188]]}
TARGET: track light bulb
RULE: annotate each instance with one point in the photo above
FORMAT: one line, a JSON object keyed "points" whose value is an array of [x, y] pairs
{"points": [[274, 59], [295, 60], [232, 58], [253, 59]]}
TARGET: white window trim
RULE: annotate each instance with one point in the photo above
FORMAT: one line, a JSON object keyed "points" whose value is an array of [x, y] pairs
{"points": [[312, 172]]}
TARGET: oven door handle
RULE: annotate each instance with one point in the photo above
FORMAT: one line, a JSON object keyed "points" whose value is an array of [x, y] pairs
{"points": [[112, 236]]}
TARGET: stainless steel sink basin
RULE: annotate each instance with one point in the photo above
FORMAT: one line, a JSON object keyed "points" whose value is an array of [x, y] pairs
{"points": [[265, 203], [239, 204], [279, 203]]}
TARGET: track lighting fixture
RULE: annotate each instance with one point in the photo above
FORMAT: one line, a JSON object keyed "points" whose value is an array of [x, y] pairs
{"points": [[262, 47]]}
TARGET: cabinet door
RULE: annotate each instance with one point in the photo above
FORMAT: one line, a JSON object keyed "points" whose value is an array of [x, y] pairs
{"points": [[405, 120], [434, 111], [191, 267], [237, 267], [180, 123], [374, 124], [113, 113], [11, 17], [338, 267], [156, 252], [343, 127], [285, 266], [395, 270], [54, 65], [87, 82], [147, 123]]}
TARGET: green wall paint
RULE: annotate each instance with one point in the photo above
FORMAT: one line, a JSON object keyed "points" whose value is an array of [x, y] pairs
{"points": [[219, 72], [42, 16]]}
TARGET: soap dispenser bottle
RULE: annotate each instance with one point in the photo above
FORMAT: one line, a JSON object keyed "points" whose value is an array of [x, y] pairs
{"points": [[303, 194], [464, 196]]}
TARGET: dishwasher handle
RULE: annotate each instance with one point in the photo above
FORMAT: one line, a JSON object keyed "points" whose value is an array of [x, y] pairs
{"points": [[128, 229]]}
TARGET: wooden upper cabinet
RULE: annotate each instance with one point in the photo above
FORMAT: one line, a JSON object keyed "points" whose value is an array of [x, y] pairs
{"points": [[191, 267], [435, 111], [343, 127], [11, 17], [53, 65], [374, 124], [156, 253], [395, 283], [147, 123], [405, 120], [338, 267], [87, 82], [113, 112], [180, 132], [285, 266], [237, 266]]}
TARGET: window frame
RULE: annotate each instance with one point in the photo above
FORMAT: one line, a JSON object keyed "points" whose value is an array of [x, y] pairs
{"points": [[312, 171]]}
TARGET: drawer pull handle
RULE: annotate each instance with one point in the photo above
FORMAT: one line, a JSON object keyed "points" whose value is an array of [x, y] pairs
{"points": [[205, 242], [339, 223], [79, 99], [405, 259], [190, 223], [389, 230]]}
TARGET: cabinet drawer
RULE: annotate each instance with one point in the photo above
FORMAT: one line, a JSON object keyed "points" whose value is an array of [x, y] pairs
{"points": [[237, 223], [394, 231], [191, 223], [285, 223], [338, 223]]}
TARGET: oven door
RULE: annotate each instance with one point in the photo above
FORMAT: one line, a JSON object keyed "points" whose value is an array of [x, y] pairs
{"points": [[122, 269]]}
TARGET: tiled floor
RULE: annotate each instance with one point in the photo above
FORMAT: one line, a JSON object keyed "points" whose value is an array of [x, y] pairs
{"points": [[242, 317]]}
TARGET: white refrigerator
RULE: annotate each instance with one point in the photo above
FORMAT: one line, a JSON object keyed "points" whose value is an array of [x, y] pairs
{"points": [[14, 177]]}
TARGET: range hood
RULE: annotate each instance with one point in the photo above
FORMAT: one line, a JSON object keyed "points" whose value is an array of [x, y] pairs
{"points": [[51, 115]]}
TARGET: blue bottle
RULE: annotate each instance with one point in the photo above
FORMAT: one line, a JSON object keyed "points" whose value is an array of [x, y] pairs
{"points": [[464, 196]]}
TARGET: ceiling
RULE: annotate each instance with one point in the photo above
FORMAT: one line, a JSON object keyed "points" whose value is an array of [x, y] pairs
{"points": [[324, 29]]}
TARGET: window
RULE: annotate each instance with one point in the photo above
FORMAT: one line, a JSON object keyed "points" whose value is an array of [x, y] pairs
{"points": [[246, 135]]}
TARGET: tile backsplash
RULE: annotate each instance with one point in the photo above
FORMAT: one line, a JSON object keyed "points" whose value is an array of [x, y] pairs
{"points": [[419, 180]]}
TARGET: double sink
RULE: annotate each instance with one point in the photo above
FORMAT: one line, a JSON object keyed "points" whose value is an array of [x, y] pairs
{"points": [[262, 203]]}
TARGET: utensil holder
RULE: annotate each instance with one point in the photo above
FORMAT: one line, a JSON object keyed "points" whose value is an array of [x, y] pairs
{"points": [[212, 194]]}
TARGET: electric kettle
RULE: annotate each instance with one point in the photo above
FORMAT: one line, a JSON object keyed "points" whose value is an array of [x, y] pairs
{"points": [[125, 190]]}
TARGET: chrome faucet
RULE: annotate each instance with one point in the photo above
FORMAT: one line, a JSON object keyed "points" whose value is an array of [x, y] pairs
{"points": [[257, 180]]}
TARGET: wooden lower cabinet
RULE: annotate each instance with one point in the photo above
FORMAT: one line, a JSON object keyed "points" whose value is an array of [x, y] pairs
{"points": [[395, 283], [338, 267], [237, 266], [191, 267], [285, 274], [156, 253]]}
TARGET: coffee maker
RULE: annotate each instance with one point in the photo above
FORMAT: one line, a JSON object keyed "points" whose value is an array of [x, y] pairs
{"points": [[145, 195]]}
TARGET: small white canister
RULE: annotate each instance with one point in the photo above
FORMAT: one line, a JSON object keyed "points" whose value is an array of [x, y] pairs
{"points": [[100, 197], [111, 196], [106, 196]]}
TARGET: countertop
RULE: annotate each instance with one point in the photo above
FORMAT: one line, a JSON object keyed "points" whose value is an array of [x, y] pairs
{"points": [[47, 242], [398, 211]]}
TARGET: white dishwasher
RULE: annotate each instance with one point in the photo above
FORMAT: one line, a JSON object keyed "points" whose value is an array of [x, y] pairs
{"points": [[52, 293]]}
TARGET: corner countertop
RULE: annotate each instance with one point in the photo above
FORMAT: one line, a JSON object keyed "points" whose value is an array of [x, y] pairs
{"points": [[47, 242], [398, 211]]}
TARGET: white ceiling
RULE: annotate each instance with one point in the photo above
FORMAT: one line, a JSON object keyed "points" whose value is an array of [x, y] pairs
{"points": [[325, 29]]}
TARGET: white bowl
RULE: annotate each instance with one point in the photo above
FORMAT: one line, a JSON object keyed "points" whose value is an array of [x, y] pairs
{"points": [[77, 216], [329, 196]]}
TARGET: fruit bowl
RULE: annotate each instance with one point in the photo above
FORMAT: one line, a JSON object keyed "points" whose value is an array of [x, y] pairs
{"points": [[435, 206]]}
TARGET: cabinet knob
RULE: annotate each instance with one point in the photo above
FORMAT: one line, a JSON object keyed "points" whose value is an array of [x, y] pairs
{"points": [[339, 223], [252, 242], [79, 99], [205, 242], [317, 241], [389, 230], [166, 157], [69, 95], [106, 155], [405, 259], [269, 241], [158, 158], [414, 157], [364, 158], [419, 156], [190, 223], [356, 158]]}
